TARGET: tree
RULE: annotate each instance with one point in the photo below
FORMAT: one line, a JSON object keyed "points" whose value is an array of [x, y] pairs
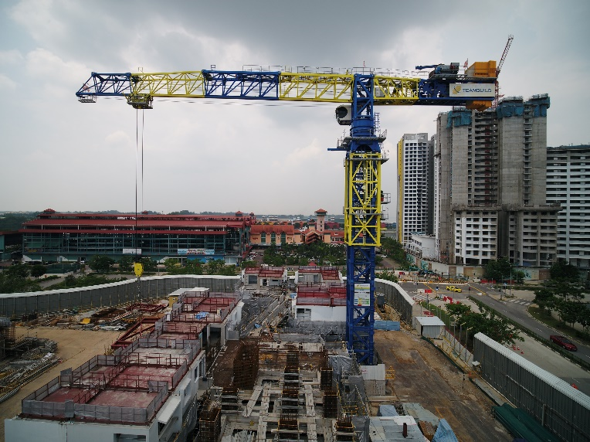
{"points": [[215, 266], [569, 311], [38, 270], [394, 250], [101, 263], [457, 311], [584, 319], [498, 270], [18, 271], [387, 275], [16, 284], [544, 298], [518, 276], [564, 271], [192, 267], [486, 322], [149, 265], [495, 327], [125, 263], [171, 264]]}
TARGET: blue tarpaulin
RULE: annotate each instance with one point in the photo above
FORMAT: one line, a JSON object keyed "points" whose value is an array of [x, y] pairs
{"points": [[387, 325], [459, 118], [387, 410], [444, 433]]}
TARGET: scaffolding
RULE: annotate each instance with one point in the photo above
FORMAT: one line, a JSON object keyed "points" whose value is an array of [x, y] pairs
{"points": [[345, 430], [209, 425], [246, 365]]}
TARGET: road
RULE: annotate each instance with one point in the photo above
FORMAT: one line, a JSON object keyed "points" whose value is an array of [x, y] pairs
{"points": [[516, 309]]}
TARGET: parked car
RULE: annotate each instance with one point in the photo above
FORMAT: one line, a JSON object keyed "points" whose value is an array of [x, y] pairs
{"points": [[563, 342], [452, 288]]}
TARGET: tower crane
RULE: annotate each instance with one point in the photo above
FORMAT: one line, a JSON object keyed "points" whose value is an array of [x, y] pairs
{"points": [[356, 94], [499, 68]]}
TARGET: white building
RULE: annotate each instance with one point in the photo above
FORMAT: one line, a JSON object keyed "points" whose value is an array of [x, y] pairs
{"points": [[423, 247], [568, 184], [414, 187]]}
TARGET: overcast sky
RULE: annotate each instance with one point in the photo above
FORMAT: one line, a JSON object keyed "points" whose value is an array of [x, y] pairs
{"points": [[266, 158]]}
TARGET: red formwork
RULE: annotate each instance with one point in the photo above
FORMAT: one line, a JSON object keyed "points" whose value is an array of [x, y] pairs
{"points": [[139, 328], [328, 273], [332, 295]]}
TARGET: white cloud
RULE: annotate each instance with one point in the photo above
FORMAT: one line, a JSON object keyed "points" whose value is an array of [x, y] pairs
{"points": [[11, 57], [40, 156], [302, 155], [39, 19], [6, 83], [119, 139]]}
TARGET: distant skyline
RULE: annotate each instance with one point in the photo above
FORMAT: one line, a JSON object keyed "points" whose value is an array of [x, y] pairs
{"points": [[274, 214], [266, 158]]}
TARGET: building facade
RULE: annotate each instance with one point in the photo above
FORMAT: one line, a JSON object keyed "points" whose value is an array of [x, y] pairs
{"points": [[491, 172], [415, 185], [280, 233], [56, 236], [267, 234], [568, 183]]}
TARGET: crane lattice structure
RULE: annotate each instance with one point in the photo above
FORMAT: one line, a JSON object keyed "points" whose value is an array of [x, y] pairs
{"points": [[499, 68], [357, 94]]}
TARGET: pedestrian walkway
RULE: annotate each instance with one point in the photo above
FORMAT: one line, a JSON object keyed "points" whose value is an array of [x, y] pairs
{"points": [[519, 301]]}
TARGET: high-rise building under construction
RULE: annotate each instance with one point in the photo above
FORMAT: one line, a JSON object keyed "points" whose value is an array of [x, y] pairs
{"points": [[490, 172]]}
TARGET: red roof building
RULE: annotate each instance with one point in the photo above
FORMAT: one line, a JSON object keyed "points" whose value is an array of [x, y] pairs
{"points": [[54, 236]]}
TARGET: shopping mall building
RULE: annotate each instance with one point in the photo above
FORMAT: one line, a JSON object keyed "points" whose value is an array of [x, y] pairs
{"points": [[54, 237]]}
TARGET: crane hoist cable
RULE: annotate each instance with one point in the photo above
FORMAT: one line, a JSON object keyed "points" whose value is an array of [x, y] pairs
{"points": [[137, 265]]}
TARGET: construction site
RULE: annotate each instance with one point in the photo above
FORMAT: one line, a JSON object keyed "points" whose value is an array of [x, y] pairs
{"points": [[242, 366], [267, 356]]}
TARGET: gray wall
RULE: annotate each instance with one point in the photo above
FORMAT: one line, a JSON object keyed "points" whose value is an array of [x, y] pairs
{"points": [[397, 298], [553, 402], [14, 305]]}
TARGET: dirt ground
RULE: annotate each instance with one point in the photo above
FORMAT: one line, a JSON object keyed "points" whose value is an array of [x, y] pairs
{"points": [[424, 375], [74, 347]]}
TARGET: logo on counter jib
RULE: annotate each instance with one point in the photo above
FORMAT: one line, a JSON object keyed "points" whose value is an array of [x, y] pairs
{"points": [[460, 89]]}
